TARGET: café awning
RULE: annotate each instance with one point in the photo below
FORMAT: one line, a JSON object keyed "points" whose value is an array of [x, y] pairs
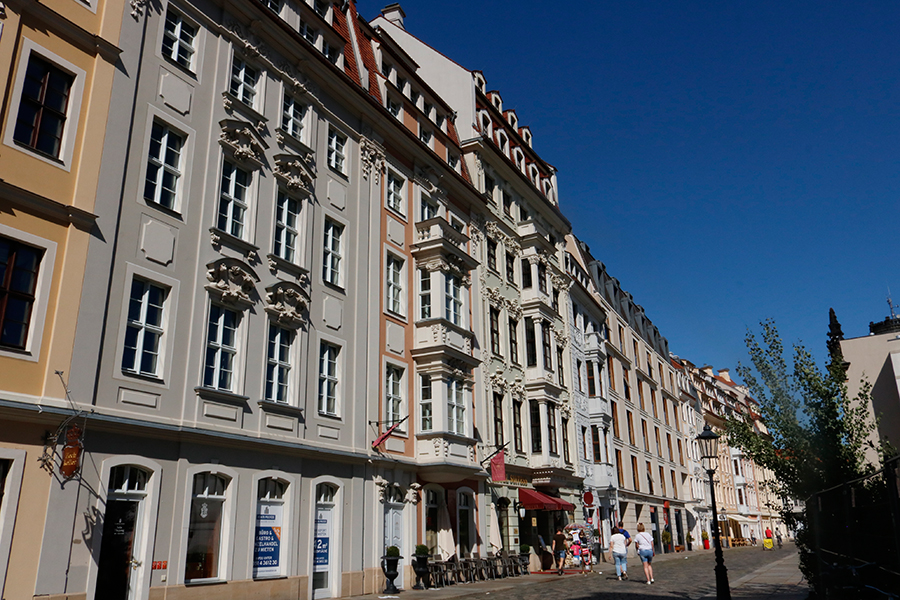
{"points": [[535, 500]]}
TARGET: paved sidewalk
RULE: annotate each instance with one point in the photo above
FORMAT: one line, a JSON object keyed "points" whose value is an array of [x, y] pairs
{"points": [[780, 580]]}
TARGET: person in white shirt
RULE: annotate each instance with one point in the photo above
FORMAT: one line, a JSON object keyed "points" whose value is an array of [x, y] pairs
{"points": [[644, 543], [618, 552]]}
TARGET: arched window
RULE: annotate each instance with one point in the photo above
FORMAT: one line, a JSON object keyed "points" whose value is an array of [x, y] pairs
{"points": [[270, 543], [433, 500], [327, 534], [204, 546], [465, 523]]}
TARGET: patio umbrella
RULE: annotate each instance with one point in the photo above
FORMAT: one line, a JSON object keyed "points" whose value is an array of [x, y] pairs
{"points": [[494, 541], [446, 545]]}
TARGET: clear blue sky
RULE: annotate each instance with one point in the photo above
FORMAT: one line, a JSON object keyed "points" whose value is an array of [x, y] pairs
{"points": [[728, 161]]}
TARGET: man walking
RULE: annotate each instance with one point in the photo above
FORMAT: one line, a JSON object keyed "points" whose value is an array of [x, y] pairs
{"points": [[559, 549]]}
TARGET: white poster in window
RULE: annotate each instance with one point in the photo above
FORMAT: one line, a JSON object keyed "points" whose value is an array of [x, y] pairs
{"points": [[267, 548], [322, 547]]}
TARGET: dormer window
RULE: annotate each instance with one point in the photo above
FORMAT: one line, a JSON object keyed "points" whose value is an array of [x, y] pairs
{"points": [[503, 142], [533, 172], [309, 33], [321, 7], [401, 85], [485, 124], [498, 103], [387, 70], [394, 107], [428, 110], [453, 161], [512, 119], [425, 135], [332, 53], [526, 135], [440, 120], [414, 97], [479, 82], [519, 158]]}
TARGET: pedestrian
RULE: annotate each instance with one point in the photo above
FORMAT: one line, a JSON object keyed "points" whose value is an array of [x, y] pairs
{"points": [[644, 544], [778, 537], [768, 533], [559, 549], [618, 552], [753, 538], [624, 532]]}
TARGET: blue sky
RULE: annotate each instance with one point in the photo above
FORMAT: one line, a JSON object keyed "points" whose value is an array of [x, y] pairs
{"points": [[735, 160]]}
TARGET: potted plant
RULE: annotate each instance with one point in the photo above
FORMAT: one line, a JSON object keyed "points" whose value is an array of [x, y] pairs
{"points": [[420, 566], [705, 537], [666, 540], [689, 539], [389, 563], [524, 559]]}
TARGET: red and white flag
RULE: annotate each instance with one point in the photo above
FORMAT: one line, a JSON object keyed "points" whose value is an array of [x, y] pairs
{"points": [[498, 466]]}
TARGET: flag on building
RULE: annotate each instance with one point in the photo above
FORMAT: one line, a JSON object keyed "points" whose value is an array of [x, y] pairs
{"points": [[498, 466]]}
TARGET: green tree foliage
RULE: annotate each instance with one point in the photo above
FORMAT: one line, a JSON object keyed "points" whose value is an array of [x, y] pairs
{"points": [[816, 435]]}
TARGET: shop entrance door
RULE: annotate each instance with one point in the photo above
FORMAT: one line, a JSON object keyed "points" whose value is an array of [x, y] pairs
{"points": [[654, 526], [119, 569]]}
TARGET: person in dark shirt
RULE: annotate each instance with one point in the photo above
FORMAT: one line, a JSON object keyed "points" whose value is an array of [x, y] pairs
{"points": [[559, 549]]}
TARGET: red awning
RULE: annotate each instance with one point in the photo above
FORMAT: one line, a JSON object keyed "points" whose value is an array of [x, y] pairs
{"points": [[535, 500]]}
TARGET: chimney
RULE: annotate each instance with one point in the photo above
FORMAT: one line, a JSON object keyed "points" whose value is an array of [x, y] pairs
{"points": [[394, 13], [723, 373]]}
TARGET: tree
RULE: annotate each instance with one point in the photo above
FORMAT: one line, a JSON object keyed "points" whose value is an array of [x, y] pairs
{"points": [[817, 435]]}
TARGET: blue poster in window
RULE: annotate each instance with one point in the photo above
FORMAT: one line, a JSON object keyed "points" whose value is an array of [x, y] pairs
{"points": [[322, 541], [267, 547]]}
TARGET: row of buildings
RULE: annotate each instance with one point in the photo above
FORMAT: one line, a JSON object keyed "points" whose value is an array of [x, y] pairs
{"points": [[276, 283]]}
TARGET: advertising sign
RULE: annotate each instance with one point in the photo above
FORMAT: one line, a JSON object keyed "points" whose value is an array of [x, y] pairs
{"points": [[322, 541], [267, 549]]}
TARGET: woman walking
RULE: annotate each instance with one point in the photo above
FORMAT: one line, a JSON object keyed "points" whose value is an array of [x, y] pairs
{"points": [[644, 543], [618, 552]]}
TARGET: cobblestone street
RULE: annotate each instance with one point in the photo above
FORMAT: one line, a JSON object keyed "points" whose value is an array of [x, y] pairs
{"points": [[752, 573]]}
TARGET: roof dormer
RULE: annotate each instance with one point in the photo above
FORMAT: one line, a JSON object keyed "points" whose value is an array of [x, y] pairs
{"points": [[496, 100], [525, 132], [480, 83], [511, 118]]}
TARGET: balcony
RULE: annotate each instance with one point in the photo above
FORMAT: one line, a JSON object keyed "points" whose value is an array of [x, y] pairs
{"points": [[436, 237]]}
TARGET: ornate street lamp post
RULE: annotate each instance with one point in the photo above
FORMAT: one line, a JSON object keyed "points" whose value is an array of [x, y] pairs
{"points": [[709, 449]]}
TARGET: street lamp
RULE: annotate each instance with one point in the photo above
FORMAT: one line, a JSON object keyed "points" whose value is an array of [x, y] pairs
{"points": [[709, 449]]}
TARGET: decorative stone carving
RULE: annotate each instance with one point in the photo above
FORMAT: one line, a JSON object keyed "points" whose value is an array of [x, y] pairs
{"points": [[372, 158], [494, 297], [514, 308], [287, 305], [561, 338], [518, 388], [381, 486], [273, 265], [248, 42], [297, 172], [244, 141], [297, 81], [137, 9], [412, 494], [231, 282], [215, 239], [472, 453], [497, 381]]}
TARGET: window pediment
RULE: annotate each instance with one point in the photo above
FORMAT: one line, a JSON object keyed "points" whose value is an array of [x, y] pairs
{"points": [[298, 172], [244, 141], [287, 303], [232, 283]]}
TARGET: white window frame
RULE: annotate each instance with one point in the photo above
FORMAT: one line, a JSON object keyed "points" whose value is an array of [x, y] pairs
{"points": [[426, 136], [229, 201], [453, 299], [308, 32], [332, 255], [328, 377], [335, 587], [144, 329], [279, 369], [294, 116], [163, 167], [179, 43], [226, 550], [456, 406], [221, 349], [394, 276], [426, 400], [337, 151], [245, 89], [287, 513], [394, 396], [10, 506], [395, 192], [73, 109], [426, 201], [285, 235], [425, 294], [278, 6], [394, 107]]}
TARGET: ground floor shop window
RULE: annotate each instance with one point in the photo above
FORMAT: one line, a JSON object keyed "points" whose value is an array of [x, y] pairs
{"points": [[204, 546], [269, 539]]}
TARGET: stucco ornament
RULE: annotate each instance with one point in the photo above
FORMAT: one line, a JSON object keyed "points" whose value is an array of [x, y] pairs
{"points": [[231, 283], [286, 304], [296, 172], [498, 381], [412, 494], [137, 9], [372, 158], [247, 41], [381, 486], [243, 140]]}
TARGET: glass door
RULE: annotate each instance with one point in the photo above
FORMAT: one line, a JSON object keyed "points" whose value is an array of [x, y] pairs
{"points": [[119, 569]]}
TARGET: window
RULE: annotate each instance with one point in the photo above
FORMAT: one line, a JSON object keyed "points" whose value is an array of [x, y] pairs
{"points": [[273, 5], [332, 53], [620, 469], [655, 411], [662, 481], [592, 384], [615, 420], [611, 373], [535, 426], [204, 544], [395, 192], [336, 144], [309, 33], [321, 7], [178, 40], [649, 477], [393, 394], [559, 366], [427, 422], [626, 386], [674, 486], [498, 419], [514, 341], [635, 478], [424, 294], [331, 263], [278, 363], [19, 266], [163, 166], [328, 378], [669, 445], [456, 407], [545, 339], [554, 299], [41, 119], [221, 348], [658, 443], [530, 343], [680, 453], [425, 135], [542, 277], [595, 438], [510, 268], [577, 374], [630, 421], [243, 81], [645, 435], [292, 114], [453, 161], [495, 331], [233, 199], [507, 202], [489, 187], [517, 425], [268, 558], [565, 440], [453, 299], [286, 211], [144, 328], [492, 255], [394, 107], [427, 208], [394, 284], [640, 388], [665, 406], [526, 274]]}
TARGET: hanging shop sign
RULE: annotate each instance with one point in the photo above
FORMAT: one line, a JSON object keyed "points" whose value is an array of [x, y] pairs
{"points": [[71, 454]]}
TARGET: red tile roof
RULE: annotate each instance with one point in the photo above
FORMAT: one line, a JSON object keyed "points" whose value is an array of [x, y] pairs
{"points": [[340, 24]]}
